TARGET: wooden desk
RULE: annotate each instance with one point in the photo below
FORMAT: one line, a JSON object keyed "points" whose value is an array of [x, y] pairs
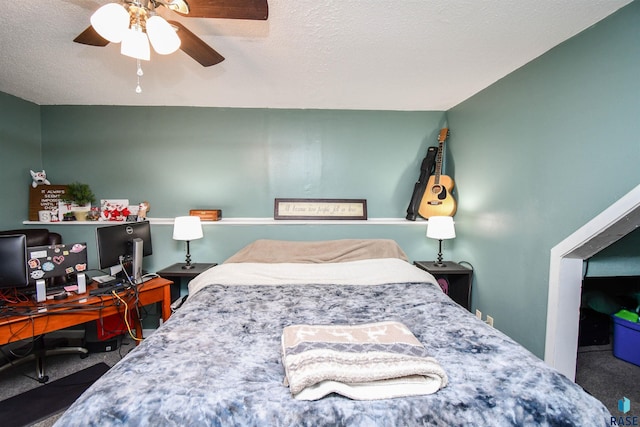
{"points": [[75, 310]]}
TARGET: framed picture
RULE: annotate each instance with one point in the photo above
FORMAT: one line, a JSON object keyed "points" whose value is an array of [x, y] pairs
{"points": [[114, 209], [319, 209], [46, 198]]}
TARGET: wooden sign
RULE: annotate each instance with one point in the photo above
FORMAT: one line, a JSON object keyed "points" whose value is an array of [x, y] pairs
{"points": [[45, 198], [207, 214]]}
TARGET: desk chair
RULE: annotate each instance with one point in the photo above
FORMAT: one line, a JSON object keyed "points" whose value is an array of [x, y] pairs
{"points": [[38, 350]]}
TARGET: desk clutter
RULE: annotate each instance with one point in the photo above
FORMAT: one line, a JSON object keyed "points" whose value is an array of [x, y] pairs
{"points": [[68, 298], [46, 286], [107, 311]]}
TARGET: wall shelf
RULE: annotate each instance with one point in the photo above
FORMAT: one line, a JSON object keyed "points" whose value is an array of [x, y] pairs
{"points": [[246, 221]]}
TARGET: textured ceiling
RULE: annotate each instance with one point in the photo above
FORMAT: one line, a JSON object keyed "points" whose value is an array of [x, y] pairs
{"points": [[334, 54]]}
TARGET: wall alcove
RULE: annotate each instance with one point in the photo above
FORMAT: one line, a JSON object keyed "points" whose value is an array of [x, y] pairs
{"points": [[565, 277]]}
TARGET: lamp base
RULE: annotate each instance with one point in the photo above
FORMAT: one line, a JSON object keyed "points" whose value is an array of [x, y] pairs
{"points": [[438, 262], [188, 265]]}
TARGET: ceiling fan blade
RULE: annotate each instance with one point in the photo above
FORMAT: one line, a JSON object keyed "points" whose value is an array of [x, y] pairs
{"points": [[91, 37], [193, 46], [230, 9]]}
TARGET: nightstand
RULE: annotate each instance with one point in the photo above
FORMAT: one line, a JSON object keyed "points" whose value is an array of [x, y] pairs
{"points": [[458, 276], [176, 273]]}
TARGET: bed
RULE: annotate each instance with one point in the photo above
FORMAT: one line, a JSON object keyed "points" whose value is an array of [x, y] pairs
{"points": [[218, 361]]}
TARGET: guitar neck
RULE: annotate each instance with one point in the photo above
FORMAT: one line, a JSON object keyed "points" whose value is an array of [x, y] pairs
{"points": [[441, 138]]}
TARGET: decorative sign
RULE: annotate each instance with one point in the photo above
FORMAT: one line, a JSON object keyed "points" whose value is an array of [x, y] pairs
{"points": [[320, 209], [45, 198], [115, 209], [207, 214]]}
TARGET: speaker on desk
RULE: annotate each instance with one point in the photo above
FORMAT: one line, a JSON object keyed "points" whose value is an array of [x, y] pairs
{"points": [[82, 283]]}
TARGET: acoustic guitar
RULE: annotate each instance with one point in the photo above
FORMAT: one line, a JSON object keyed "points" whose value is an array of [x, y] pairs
{"points": [[437, 199]]}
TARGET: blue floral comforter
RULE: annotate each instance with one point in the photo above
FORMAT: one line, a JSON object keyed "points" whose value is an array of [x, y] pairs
{"points": [[217, 362]]}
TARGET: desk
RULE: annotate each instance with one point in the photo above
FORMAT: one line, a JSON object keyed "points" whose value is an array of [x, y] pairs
{"points": [[79, 309]]}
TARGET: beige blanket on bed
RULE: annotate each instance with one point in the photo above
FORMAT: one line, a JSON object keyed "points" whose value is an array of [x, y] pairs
{"points": [[364, 362], [277, 251]]}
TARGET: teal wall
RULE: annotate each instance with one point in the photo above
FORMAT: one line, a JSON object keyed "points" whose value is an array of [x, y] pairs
{"points": [[19, 152], [534, 156], [537, 155], [239, 160], [620, 259]]}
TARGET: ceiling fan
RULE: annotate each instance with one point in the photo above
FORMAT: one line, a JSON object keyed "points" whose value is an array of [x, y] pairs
{"points": [[141, 15]]}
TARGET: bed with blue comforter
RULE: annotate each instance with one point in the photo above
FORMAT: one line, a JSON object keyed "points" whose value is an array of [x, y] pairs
{"points": [[217, 361]]}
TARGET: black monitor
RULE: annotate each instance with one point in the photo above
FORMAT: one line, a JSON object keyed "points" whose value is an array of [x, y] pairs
{"points": [[118, 243], [13, 261], [63, 261]]}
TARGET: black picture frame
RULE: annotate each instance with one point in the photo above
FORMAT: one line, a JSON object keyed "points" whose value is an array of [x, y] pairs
{"points": [[320, 209]]}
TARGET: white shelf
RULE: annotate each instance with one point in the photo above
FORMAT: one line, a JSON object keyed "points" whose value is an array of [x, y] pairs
{"points": [[247, 221]]}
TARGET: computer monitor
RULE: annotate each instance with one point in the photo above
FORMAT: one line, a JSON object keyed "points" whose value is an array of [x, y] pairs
{"points": [[65, 261], [130, 241], [13, 261]]}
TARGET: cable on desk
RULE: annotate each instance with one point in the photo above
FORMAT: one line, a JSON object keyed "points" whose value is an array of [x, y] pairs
{"points": [[126, 317], [13, 296]]}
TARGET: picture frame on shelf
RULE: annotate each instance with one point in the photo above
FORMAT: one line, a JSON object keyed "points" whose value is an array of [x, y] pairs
{"points": [[320, 209], [114, 210]]}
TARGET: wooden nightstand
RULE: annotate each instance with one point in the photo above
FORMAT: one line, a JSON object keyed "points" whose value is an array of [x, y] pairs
{"points": [[176, 273], [458, 276]]}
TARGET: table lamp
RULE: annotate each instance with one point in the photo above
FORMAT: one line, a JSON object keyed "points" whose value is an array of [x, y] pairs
{"points": [[440, 228], [187, 228]]}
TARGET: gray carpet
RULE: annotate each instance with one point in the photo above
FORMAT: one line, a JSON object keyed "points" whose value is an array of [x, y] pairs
{"points": [[23, 377], [608, 378]]}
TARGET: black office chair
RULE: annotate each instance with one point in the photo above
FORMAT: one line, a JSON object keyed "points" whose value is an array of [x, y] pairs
{"points": [[37, 349]]}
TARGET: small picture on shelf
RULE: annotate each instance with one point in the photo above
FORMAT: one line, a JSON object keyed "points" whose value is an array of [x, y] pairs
{"points": [[114, 209]]}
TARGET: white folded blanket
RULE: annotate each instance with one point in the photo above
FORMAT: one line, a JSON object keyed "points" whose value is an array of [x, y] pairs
{"points": [[363, 362]]}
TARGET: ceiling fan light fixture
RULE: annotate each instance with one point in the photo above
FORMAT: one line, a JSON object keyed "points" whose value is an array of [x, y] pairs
{"points": [[162, 36], [180, 6], [111, 21], [135, 44]]}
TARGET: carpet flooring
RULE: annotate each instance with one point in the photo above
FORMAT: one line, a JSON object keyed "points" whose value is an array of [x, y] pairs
{"points": [[55, 396], [608, 378], [22, 378]]}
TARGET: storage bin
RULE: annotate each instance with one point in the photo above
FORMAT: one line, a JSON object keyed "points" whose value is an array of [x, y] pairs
{"points": [[626, 340]]}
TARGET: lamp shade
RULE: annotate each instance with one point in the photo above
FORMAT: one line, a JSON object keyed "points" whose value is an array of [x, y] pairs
{"points": [[111, 21], [441, 228], [187, 228], [162, 36], [135, 44]]}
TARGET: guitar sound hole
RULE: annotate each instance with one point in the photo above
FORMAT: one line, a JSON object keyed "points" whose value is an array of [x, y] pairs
{"points": [[443, 194]]}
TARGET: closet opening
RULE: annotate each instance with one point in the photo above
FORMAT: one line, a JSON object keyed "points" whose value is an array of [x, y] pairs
{"points": [[565, 277]]}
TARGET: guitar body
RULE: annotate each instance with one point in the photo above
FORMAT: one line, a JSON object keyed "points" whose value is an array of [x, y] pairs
{"points": [[437, 199]]}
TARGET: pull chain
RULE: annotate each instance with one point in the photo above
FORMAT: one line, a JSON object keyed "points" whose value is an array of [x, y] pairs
{"points": [[140, 74]]}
